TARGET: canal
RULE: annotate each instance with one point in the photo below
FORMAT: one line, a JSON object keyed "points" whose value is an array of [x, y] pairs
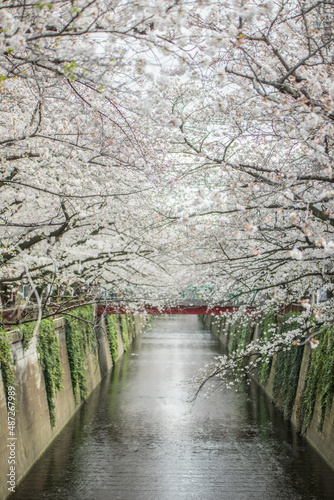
{"points": [[138, 437]]}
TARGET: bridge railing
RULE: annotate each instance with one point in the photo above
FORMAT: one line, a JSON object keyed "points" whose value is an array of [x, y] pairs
{"points": [[166, 302], [191, 295]]}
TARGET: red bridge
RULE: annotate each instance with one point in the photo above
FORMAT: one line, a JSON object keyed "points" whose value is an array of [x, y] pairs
{"points": [[192, 307]]}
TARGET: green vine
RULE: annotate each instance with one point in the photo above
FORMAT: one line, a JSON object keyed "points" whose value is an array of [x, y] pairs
{"points": [[124, 331], [268, 329], [319, 381], [48, 348], [245, 335], [27, 331], [286, 377], [233, 340], [79, 336], [84, 319], [240, 336], [6, 361], [287, 369], [264, 370], [111, 327]]}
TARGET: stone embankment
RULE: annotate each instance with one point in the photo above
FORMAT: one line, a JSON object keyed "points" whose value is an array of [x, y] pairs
{"points": [[299, 381], [32, 410]]}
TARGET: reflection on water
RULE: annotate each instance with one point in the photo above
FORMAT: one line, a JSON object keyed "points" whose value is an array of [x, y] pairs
{"points": [[138, 438]]}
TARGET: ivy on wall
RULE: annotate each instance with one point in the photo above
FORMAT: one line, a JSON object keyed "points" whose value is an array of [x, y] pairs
{"points": [[85, 321], [48, 348], [124, 331], [287, 369], [49, 355], [240, 335], [286, 377], [267, 330], [27, 331], [111, 327], [6, 361], [80, 336], [233, 340], [319, 381]]}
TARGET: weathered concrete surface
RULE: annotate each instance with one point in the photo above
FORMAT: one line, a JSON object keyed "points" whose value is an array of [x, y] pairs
{"points": [[322, 441], [33, 431]]}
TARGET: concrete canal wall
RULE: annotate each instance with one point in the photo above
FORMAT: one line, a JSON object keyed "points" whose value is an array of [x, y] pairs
{"points": [[322, 439], [22, 445]]}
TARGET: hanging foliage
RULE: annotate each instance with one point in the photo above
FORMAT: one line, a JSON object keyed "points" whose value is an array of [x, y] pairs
{"points": [[124, 331], [27, 331], [80, 336], [286, 377], [240, 335], [267, 330], [48, 348], [319, 383], [111, 327], [6, 361]]}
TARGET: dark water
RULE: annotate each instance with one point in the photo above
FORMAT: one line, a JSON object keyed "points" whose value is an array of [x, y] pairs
{"points": [[138, 438]]}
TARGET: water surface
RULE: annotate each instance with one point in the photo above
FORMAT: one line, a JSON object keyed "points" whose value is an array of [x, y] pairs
{"points": [[138, 438]]}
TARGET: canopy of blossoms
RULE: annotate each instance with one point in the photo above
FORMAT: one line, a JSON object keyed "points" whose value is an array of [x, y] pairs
{"points": [[168, 144]]}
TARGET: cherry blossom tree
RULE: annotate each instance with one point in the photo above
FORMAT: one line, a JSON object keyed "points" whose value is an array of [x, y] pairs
{"points": [[173, 143], [261, 149], [78, 159]]}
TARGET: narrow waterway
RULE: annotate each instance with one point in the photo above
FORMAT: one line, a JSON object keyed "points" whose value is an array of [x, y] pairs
{"points": [[138, 438]]}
